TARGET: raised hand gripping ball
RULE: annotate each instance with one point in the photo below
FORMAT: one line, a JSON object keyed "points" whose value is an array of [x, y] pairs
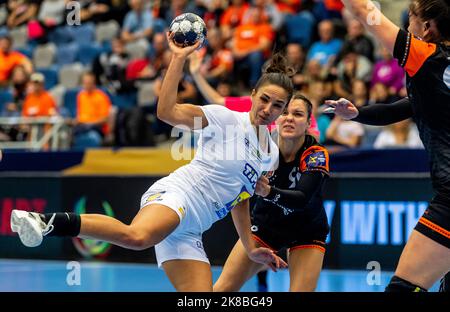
{"points": [[188, 28]]}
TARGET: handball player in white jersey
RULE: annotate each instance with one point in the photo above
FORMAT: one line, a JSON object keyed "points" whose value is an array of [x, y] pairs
{"points": [[234, 150]]}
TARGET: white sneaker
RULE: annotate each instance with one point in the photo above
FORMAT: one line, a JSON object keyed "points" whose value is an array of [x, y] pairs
{"points": [[30, 227]]}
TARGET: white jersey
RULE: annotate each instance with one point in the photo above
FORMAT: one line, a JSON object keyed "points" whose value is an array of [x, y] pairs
{"points": [[227, 164]]}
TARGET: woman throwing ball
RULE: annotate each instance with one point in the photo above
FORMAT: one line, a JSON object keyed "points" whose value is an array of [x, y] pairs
{"points": [[177, 209]]}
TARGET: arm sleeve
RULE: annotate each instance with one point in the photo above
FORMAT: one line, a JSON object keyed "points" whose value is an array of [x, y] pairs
{"points": [[385, 114], [297, 198], [412, 52], [314, 166]]}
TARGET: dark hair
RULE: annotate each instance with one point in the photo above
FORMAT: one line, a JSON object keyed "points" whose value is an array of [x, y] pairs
{"points": [[308, 104], [277, 72], [436, 10]]}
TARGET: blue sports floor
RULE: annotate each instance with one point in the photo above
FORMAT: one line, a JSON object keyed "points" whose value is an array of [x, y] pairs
{"points": [[34, 275]]}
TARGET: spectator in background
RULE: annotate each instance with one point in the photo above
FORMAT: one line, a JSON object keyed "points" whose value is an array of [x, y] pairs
{"points": [[388, 72], [360, 42], [325, 50], [250, 44], [178, 7], [52, 12], [232, 17], [344, 133], [152, 66], [19, 83], [269, 13], [352, 67], [21, 12], [360, 94], [379, 93], [138, 23], [295, 55], [219, 62], [38, 102], [10, 59], [95, 10], [403, 134], [110, 67], [94, 110]]}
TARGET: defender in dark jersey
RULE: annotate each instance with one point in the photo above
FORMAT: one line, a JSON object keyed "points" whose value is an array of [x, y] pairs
{"points": [[289, 212], [424, 54]]}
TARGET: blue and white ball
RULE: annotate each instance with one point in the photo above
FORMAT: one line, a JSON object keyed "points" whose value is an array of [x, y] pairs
{"points": [[188, 28]]}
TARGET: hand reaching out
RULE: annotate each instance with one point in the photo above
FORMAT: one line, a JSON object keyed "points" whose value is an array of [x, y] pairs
{"points": [[268, 257], [342, 108]]}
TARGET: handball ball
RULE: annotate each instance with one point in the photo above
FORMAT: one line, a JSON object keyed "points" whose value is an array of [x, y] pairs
{"points": [[187, 29]]}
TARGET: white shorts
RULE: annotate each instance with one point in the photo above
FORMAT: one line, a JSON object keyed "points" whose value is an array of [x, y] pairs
{"points": [[185, 242]]}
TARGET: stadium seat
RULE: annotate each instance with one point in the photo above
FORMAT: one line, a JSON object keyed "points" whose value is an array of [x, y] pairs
{"points": [[3, 14], [51, 76], [5, 98], [70, 102], [299, 28], [44, 55], [146, 94], [137, 49], [83, 34], [26, 50], [87, 53], [70, 75], [19, 36], [57, 92], [67, 54], [106, 31], [60, 35], [124, 100]]}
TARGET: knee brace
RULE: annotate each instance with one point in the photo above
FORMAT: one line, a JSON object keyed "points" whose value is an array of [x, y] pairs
{"points": [[398, 284]]}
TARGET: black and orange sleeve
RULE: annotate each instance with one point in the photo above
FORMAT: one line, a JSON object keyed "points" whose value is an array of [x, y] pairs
{"points": [[315, 158], [412, 52]]}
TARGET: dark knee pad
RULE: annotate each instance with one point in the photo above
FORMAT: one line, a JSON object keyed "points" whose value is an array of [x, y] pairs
{"points": [[398, 284]]}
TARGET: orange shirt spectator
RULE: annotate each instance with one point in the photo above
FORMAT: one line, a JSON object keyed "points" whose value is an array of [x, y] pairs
{"points": [[41, 104], [38, 102], [248, 37], [222, 58], [10, 59], [233, 15], [93, 107]]}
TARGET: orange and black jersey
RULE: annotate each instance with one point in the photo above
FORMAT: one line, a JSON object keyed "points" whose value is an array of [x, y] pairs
{"points": [[428, 83], [295, 198]]}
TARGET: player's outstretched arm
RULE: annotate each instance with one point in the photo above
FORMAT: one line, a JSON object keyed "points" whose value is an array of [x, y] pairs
{"points": [[374, 114], [169, 110], [374, 21]]}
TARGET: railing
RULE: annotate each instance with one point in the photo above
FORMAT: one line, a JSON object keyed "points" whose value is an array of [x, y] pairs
{"points": [[39, 137]]}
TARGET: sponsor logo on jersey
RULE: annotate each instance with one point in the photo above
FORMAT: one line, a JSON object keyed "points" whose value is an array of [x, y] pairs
{"points": [[243, 195], [317, 159], [251, 174], [154, 197], [199, 244]]}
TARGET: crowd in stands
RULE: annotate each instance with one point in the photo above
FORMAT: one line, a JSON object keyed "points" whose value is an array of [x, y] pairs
{"points": [[101, 67]]}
